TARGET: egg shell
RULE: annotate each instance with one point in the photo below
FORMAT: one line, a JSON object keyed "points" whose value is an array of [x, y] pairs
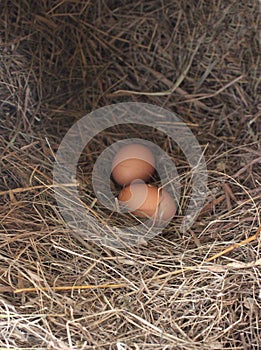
{"points": [[133, 162], [148, 201]]}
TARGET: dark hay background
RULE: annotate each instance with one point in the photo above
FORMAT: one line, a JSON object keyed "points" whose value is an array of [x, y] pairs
{"points": [[60, 60]]}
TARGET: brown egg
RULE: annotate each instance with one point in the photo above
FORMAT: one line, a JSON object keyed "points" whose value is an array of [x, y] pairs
{"points": [[132, 162], [147, 201]]}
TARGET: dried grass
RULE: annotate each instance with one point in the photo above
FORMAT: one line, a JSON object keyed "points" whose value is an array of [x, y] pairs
{"points": [[58, 61]]}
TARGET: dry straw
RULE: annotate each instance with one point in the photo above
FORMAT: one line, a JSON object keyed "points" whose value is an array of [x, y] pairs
{"points": [[62, 59]]}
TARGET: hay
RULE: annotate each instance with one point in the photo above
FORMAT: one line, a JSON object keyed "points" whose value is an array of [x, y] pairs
{"points": [[62, 59]]}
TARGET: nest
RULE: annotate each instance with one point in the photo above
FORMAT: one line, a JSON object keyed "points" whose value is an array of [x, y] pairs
{"points": [[60, 60]]}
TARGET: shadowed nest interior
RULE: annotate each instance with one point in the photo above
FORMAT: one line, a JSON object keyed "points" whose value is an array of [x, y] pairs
{"points": [[62, 59]]}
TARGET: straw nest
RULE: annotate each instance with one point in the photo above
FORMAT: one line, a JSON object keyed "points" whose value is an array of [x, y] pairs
{"points": [[60, 60]]}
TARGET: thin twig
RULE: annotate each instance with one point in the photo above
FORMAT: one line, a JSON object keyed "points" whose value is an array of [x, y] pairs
{"points": [[32, 188], [176, 85], [69, 288], [223, 252]]}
